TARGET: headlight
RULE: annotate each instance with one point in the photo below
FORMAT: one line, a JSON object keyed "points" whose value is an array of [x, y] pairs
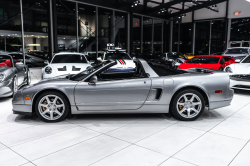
{"points": [[2, 77], [48, 70], [229, 70]]}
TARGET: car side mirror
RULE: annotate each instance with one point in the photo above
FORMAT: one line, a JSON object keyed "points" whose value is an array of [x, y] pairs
{"points": [[46, 62], [93, 80]]}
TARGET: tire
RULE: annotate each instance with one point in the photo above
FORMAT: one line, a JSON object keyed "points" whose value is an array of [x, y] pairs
{"points": [[50, 111], [186, 111], [221, 69]]}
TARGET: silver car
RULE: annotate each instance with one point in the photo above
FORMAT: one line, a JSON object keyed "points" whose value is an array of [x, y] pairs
{"points": [[12, 75], [153, 88]]}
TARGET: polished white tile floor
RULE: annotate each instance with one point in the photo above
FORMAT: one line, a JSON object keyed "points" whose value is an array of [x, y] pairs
{"points": [[219, 137]]}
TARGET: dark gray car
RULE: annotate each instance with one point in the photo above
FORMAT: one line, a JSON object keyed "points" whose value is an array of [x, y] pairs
{"points": [[12, 76]]}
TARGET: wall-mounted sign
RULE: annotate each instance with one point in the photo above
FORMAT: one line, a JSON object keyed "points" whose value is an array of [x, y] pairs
{"points": [[237, 13]]}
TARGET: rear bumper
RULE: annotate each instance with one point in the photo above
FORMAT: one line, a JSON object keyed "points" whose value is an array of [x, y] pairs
{"points": [[219, 104]]}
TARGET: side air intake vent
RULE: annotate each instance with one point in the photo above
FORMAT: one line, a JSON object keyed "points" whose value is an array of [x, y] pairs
{"points": [[75, 69], [62, 69]]}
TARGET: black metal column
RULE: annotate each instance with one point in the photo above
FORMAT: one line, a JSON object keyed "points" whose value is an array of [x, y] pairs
{"points": [[226, 27], [96, 30], [54, 15], [131, 33]]}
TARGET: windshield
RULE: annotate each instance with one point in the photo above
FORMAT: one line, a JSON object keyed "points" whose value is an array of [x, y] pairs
{"points": [[5, 61], [110, 56], [69, 58], [246, 60], [204, 60], [237, 51], [18, 56], [80, 76]]}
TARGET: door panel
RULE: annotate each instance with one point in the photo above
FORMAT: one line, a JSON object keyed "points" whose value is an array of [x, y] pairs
{"points": [[112, 95], [20, 74]]}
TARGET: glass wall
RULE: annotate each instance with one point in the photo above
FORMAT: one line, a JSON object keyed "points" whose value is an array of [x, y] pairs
{"points": [[136, 35], [121, 29], [147, 35], [217, 37], [10, 26], [86, 27], [175, 37], [35, 18], [104, 28], [66, 25], [186, 38], [202, 34], [240, 31], [157, 42]]}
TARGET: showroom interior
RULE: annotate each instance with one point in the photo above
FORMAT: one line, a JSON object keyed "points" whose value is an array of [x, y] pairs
{"points": [[136, 131]]}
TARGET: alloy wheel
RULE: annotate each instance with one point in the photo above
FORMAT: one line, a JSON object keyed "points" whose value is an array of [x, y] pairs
{"points": [[51, 107], [189, 105]]}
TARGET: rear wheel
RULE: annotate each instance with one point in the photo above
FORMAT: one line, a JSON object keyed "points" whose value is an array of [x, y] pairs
{"points": [[221, 69], [52, 106], [188, 105]]}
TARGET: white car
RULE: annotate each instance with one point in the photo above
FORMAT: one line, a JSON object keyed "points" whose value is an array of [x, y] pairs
{"points": [[65, 63], [124, 61], [240, 74], [238, 53]]}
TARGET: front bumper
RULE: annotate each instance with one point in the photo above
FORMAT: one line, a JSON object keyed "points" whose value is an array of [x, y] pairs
{"points": [[240, 82]]}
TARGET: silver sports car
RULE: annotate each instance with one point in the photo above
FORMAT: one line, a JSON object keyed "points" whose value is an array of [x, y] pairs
{"points": [[153, 88], [12, 75]]}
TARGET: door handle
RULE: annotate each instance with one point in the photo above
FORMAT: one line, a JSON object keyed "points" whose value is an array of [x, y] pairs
{"points": [[144, 82]]}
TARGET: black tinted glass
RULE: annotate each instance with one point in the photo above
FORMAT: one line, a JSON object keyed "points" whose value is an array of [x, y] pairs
{"points": [[237, 51], [68, 58], [109, 56], [205, 60]]}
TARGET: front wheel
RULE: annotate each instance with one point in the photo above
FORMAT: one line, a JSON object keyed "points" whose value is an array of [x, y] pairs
{"points": [[188, 105], [52, 106]]}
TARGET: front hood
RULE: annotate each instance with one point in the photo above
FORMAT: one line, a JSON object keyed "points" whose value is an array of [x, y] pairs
{"points": [[2, 69], [59, 68], [240, 68]]}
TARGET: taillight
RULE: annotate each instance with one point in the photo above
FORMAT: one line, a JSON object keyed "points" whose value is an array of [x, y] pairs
{"points": [[218, 91]]}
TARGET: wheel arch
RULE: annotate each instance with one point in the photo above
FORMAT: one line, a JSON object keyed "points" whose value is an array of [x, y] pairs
{"points": [[199, 89], [44, 90]]}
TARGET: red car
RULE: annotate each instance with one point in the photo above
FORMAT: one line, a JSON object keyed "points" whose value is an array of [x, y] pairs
{"points": [[216, 62]]}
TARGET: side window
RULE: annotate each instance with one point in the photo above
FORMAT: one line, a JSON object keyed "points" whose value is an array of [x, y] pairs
{"points": [[222, 61], [226, 58]]}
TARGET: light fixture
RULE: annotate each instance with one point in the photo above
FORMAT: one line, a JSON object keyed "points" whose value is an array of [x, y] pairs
{"points": [[33, 44], [2, 35], [248, 0], [63, 38]]}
